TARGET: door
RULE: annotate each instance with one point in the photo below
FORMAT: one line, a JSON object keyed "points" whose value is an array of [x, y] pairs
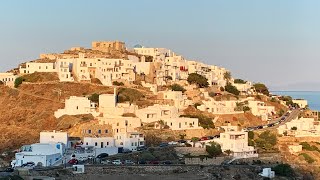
{"points": [[101, 144]]}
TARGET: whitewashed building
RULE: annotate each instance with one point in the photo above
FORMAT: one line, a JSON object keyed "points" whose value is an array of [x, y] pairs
{"points": [[301, 127], [301, 102], [42, 154], [8, 79], [76, 106], [237, 143], [31, 67], [54, 137]]}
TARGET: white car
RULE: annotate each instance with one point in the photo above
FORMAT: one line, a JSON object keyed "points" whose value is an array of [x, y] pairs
{"points": [[106, 162], [116, 162], [172, 143]]}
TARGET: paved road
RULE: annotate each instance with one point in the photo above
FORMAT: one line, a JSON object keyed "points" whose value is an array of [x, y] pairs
{"points": [[294, 114]]}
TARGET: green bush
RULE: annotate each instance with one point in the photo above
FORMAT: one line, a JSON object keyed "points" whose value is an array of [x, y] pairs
{"points": [[198, 79], [232, 89], [177, 87], [306, 146], [116, 83], [283, 170], [266, 140], [250, 134], [147, 156], [214, 149], [261, 88], [239, 81], [94, 98], [127, 94], [204, 121], [246, 108], [18, 81], [308, 158], [294, 128], [212, 94]]}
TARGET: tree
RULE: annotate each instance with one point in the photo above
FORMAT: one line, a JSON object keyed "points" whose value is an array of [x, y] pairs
{"points": [[194, 140], [177, 87], [212, 94], [18, 81], [152, 140], [283, 170], [116, 83], [266, 140], [281, 112], [294, 128], [227, 76], [240, 81], [228, 152], [198, 79], [214, 149], [246, 108], [251, 135], [94, 98], [182, 136], [231, 89], [261, 88]]}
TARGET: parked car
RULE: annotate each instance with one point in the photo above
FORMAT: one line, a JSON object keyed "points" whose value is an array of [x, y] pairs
{"points": [[28, 164], [167, 162], [163, 145], [126, 150], [129, 162], [172, 143], [73, 161], [154, 162], [204, 138], [116, 162], [142, 162], [283, 118], [106, 162], [182, 141], [9, 169], [102, 155], [141, 148]]}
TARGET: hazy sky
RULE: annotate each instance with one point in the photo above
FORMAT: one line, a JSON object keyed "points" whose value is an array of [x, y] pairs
{"points": [[273, 41]]}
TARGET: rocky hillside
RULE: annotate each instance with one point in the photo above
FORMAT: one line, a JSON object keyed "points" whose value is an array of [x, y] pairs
{"points": [[30, 109]]}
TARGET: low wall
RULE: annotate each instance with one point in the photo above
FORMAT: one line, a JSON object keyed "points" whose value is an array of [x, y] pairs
{"points": [[205, 161], [192, 150]]}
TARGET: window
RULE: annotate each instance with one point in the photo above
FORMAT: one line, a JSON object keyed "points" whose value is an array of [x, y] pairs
{"points": [[52, 137], [89, 131], [87, 143], [99, 131], [141, 143], [131, 144], [107, 143], [95, 144], [106, 131], [77, 107]]}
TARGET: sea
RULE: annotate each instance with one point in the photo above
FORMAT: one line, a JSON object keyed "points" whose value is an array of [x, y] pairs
{"points": [[313, 97]]}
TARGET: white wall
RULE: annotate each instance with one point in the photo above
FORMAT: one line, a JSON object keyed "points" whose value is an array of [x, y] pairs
{"points": [[54, 137]]}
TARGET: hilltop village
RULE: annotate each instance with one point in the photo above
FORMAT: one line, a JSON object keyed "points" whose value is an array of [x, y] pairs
{"points": [[147, 105]]}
